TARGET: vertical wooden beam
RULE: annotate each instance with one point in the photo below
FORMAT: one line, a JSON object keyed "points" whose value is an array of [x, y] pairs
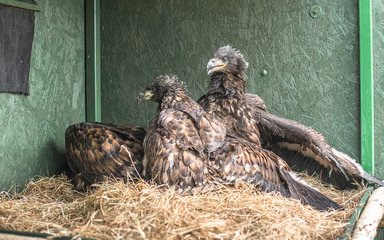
{"points": [[93, 71], [366, 86]]}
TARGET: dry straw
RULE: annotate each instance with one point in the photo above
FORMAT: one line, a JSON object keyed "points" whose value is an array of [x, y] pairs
{"points": [[118, 210]]}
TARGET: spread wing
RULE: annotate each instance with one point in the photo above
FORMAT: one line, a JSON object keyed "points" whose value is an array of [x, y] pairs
{"points": [[174, 152], [239, 160], [304, 149], [95, 151]]}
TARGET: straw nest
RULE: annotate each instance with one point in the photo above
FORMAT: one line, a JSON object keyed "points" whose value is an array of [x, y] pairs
{"points": [[118, 210]]}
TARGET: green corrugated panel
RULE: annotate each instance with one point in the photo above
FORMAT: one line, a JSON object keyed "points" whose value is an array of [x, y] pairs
{"points": [[32, 127], [378, 75], [312, 60], [380, 234]]}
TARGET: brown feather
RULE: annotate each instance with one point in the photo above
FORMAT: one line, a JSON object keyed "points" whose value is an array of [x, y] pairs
{"points": [[242, 156], [177, 150], [95, 151], [179, 136], [240, 160], [245, 116], [305, 149]]}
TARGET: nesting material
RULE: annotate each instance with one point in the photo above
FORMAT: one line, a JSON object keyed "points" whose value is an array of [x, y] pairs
{"points": [[118, 210]]}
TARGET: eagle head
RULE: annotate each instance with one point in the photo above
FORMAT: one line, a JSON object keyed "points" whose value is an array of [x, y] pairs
{"points": [[227, 60], [162, 85]]}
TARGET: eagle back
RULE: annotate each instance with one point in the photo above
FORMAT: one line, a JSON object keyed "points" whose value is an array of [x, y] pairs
{"points": [[174, 153]]}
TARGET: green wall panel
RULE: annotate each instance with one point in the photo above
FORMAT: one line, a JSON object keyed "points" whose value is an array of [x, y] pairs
{"points": [[312, 62], [378, 75], [32, 138]]}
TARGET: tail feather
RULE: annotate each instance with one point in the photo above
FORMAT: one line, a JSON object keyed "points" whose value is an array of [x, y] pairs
{"points": [[301, 163], [355, 168], [308, 195]]}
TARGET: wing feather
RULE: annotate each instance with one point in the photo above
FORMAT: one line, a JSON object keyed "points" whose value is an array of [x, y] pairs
{"points": [[95, 151], [305, 149], [240, 160], [174, 153]]}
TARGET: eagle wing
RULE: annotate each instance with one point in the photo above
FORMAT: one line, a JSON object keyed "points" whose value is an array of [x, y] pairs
{"points": [[255, 101], [212, 132], [305, 149], [131, 131], [240, 160], [174, 153], [96, 150]]}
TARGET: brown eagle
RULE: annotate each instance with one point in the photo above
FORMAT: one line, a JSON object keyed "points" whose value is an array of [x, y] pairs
{"points": [[179, 136], [246, 117], [95, 151], [187, 147]]}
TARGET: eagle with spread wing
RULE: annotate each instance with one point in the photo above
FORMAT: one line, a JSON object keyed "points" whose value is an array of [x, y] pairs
{"points": [[96, 150], [187, 147], [246, 117]]}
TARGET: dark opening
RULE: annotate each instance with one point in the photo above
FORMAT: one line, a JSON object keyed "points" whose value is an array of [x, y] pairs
{"points": [[16, 36]]}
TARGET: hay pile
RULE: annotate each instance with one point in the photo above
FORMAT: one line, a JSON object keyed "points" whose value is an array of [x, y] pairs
{"points": [[118, 210]]}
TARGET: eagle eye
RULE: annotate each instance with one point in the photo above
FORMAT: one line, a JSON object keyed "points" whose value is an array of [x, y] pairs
{"points": [[225, 59]]}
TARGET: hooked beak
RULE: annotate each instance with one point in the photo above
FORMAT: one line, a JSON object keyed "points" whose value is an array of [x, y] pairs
{"points": [[215, 65], [144, 96]]}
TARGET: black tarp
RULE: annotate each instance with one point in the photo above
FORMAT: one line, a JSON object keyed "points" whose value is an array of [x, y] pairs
{"points": [[16, 36]]}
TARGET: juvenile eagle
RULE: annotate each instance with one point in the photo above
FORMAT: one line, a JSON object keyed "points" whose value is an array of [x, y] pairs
{"points": [[95, 151], [187, 147], [246, 116], [179, 136]]}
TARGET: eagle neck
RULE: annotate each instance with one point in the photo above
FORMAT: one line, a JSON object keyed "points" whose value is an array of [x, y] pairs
{"points": [[226, 84], [171, 98]]}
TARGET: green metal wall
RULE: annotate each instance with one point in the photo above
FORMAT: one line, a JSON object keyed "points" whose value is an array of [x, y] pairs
{"points": [[32, 127], [378, 75], [312, 61]]}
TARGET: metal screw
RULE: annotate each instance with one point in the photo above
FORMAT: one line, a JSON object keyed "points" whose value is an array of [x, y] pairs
{"points": [[316, 11], [263, 73]]}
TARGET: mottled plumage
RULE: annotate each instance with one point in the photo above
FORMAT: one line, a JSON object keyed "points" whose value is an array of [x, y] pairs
{"points": [[225, 97], [95, 151], [241, 160], [246, 116], [187, 147], [178, 137]]}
